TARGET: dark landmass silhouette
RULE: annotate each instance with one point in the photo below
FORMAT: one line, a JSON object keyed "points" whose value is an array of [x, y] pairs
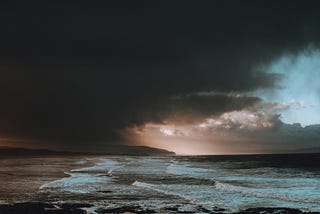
{"points": [[115, 150]]}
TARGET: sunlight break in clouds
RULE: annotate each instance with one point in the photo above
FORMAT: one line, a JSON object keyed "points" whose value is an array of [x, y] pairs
{"points": [[301, 75], [229, 132]]}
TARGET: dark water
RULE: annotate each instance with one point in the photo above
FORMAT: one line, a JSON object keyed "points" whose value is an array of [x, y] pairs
{"points": [[229, 182]]}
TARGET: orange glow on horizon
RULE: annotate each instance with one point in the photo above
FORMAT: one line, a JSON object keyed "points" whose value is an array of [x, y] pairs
{"points": [[186, 140], [166, 137]]}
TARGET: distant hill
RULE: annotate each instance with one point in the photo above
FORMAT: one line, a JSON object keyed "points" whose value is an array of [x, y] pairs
{"points": [[136, 150], [111, 150]]}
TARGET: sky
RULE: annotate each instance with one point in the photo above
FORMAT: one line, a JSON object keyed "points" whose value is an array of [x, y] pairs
{"points": [[209, 77], [300, 85]]}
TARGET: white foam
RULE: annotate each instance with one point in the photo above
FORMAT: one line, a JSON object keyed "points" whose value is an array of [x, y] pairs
{"points": [[177, 168], [234, 189], [156, 188], [278, 193], [90, 210], [104, 166], [81, 162], [77, 183], [83, 180]]}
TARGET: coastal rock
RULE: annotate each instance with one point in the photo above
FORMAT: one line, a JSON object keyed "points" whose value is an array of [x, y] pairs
{"points": [[42, 208]]}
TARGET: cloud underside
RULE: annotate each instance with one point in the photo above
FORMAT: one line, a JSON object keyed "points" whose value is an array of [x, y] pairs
{"points": [[255, 128], [73, 72]]}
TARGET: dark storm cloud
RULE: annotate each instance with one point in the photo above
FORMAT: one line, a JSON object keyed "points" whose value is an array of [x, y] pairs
{"points": [[73, 71], [287, 138], [196, 107]]}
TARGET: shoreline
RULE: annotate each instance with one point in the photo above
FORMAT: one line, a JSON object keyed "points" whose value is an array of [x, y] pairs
{"points": [[77, 208]]}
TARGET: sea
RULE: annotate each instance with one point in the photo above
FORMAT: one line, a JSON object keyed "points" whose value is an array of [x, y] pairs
{"points": [[229, 183]]}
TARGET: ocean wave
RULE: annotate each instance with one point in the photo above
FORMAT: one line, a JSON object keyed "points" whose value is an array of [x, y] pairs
{"points": [[103, 166], [157, 189], [84, 180], [77, 183], [81, 162], [177, 168], [277, 193]]}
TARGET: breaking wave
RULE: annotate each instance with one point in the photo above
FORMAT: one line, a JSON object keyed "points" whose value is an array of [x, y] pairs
{"points": [[76, 183], [282, 194], [83, 180], [103, 166], [157, 189]]}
